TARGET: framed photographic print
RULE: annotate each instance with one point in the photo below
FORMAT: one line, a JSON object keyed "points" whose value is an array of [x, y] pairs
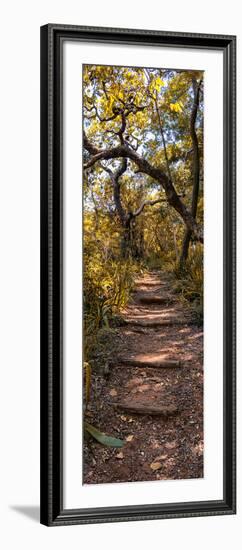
{"points": [[137, 274]]}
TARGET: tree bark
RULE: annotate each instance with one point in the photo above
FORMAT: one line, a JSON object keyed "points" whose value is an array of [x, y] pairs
{"points": [[129, 240], [195, 171], [126, 248]]}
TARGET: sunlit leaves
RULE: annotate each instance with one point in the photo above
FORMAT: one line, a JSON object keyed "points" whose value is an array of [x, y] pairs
{"points": [[176, 107], [156, 84]]}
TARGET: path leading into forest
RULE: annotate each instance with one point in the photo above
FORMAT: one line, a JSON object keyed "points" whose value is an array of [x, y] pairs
{"points": [[153, 395]]}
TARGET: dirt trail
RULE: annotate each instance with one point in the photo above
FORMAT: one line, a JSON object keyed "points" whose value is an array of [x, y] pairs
{"points": [[153, 395]]}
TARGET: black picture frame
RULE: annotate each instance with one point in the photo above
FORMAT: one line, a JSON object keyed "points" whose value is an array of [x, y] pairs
{"points": [[51, 507]]}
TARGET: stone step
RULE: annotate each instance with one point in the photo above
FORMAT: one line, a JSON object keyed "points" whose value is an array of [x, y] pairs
{"points": [[152, 409], [149, 361], [148, 283], [154, 300], [154, 323]]}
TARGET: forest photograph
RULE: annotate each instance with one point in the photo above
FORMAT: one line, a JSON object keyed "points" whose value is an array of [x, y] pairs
{"points": [[143, 206]]}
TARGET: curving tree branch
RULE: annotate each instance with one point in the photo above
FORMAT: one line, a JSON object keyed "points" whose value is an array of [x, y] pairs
{"points": [[146, 203], [124, 151]]}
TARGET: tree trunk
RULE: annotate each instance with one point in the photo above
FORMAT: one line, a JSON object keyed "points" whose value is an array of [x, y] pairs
{"points": [[185, 248], [126, 248], [195, 170], [175, 244]]}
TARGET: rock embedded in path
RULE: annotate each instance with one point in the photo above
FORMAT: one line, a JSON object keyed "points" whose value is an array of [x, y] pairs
{"points": [[149, 360], [147, 408], [150, 284], [154, 299], [153, 323]]}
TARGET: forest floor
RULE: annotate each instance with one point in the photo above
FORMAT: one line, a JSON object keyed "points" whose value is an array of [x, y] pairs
{"points": [[152, 395]]}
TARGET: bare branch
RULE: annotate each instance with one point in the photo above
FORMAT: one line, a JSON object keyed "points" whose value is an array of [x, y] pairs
{"points": [[146, 203], [89, 109]]}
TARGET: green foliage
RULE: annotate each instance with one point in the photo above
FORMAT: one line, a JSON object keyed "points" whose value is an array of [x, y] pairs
{"points": [[88, 372], [189, 282], [102, 437], [108, 281]]}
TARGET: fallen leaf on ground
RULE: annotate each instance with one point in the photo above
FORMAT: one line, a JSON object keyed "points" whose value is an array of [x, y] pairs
{"points": [[155, 466], [134, 382], [88, 413], [156, 445], [129, 438], [124, 418], [198, 449], [158, 386], [144, 387], [161, 457], [113, 392], [170, 445], [120, 455]]}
